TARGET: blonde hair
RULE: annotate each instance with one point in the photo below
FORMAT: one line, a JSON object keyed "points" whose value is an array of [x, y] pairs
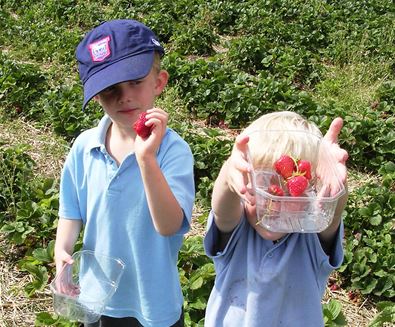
{"points": [[156, 65], [279, 133]]}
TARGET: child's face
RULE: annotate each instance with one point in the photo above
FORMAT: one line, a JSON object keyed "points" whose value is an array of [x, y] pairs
{"points": [[252, 219], [125, 101]]}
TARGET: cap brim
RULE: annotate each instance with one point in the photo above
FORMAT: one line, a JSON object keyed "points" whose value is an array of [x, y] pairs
{"points": [[128, 69]]}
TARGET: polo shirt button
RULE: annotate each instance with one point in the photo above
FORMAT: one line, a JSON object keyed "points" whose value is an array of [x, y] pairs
{"points": [[270, 255]]}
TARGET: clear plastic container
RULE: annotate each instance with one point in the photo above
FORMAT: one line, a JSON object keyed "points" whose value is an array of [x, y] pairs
{"points": [[313, 211], [82, 290]]}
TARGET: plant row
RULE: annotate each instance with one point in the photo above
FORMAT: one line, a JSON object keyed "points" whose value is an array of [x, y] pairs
{"points": [[229, 63]]}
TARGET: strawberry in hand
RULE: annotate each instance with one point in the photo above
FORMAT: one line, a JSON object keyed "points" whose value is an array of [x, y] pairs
{"points": [[140, 128]]}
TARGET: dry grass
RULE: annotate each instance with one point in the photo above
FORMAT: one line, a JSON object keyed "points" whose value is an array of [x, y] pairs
{"points": [[16, 309], [46, 149]]}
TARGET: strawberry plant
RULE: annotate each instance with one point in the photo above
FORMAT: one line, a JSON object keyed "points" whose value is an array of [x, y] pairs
{"points": [[195, 38], [369, 263], [210, 148], [197, 278], [20, 85], [28, 205], [16, 167], [386, 314], [48, 319], [333, 315], [62, 106]]}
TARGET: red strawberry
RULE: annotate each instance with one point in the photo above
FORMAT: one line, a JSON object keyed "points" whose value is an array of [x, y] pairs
{"points": [[285, 166], [297, 185], [139, 126], [275, 190], [304, 167]]}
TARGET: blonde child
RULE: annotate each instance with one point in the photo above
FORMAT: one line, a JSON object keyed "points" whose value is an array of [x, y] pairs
{"points": [[266, 278]]}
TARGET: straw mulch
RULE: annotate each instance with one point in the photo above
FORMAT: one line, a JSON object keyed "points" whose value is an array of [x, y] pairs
{"points": [[16, 309]]}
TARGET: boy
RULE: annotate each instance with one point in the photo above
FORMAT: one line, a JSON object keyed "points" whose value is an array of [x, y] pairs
{"points": [[266, 278], [133, 195]]}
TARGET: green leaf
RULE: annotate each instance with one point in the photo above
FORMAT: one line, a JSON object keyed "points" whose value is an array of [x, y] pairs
{"points": [[45, 255], [40, 280], [199, 304], [376, 220], [45, 319], [335, 307], [197, 283], [386, 314]]}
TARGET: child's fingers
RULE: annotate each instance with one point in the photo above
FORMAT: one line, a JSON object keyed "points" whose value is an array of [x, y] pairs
{"points": [[342, 155], [157, 113], [157, 117], [339, 154], [62, 259], [241, 144], [334, 130], [67, 258], [342, 172], [249, 195], [240, 153], [236, 178]]}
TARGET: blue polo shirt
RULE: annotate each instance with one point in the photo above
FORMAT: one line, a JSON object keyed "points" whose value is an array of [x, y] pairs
{"points": [[111, 203], [264, 284]]}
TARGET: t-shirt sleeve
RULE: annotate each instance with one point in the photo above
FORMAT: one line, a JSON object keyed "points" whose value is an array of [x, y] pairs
{"points": [[69, 207], [177, 167], [337, 254], [325, 264], [211, 238]]}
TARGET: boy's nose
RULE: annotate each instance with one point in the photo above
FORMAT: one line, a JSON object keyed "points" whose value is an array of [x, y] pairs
{"points": [[125, 93]]}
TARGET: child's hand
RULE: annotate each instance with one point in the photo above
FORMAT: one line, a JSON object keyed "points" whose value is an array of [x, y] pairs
{"points": [[239, 169], [157, 121], [62, 258], [340, 155], [63, 282]]}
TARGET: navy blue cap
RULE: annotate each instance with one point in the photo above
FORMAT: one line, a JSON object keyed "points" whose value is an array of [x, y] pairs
{"points": [[116, 51]]}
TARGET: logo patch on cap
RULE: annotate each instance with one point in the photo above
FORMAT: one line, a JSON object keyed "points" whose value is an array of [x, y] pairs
{"points": [[100, 50]]}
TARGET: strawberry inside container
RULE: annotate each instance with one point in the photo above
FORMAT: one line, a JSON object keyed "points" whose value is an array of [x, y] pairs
{"points": [[310, 211]]}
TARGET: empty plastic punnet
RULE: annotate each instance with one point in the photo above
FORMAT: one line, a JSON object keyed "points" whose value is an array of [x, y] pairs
{"points": [[82, 290]]}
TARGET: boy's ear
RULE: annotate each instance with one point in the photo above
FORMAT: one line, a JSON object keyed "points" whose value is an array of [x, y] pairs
{"points": [[161, 81]]}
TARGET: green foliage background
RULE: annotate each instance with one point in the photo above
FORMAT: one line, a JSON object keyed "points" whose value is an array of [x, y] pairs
{"points": [[229, 62]]}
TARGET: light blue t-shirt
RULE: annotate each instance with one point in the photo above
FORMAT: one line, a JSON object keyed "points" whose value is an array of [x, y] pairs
{"points": [[111, 203], [264, 284]]}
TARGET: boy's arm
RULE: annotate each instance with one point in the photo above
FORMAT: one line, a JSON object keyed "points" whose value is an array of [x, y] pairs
{"points": [[67, 234], [327, 236], [231, 186], [166, 212]]}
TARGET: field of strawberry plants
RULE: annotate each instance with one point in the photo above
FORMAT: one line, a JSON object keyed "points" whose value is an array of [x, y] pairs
{"points": [[229, 62]]}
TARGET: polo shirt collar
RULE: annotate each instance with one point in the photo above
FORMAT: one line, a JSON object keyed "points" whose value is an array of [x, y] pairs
{"points": [[99, 137]]}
